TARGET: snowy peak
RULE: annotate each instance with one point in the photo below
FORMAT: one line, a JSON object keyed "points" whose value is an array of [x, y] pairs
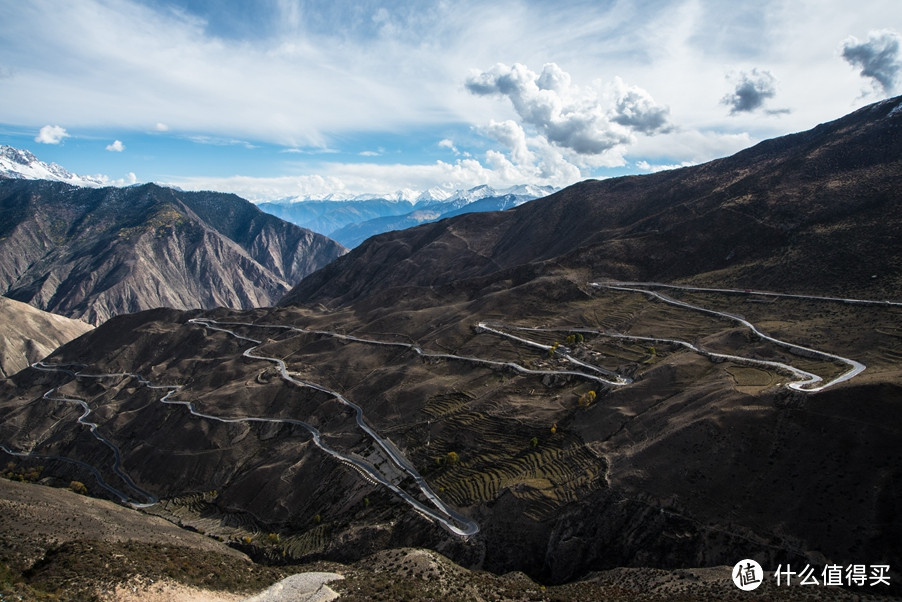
{"points": [[20, 164], [430, 196], [474, 194], [530, 190]]}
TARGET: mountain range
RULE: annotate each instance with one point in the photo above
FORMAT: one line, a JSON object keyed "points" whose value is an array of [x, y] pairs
{"points": [[352, 221], [91, 253], [675, 370]]}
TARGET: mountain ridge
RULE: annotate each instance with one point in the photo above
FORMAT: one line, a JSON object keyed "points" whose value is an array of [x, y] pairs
{"points": [[93, 253]]}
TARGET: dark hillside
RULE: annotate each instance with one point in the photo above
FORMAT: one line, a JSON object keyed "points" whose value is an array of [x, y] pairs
{"points": [[815, 211]]}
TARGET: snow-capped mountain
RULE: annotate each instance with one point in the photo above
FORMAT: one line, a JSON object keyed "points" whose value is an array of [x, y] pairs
{"points": [[22, 165], [352, 220], [458, 198]]}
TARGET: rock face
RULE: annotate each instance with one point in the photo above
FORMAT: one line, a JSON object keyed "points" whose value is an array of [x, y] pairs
{"points": [[30, 334], [94, 253], [817, 210]]}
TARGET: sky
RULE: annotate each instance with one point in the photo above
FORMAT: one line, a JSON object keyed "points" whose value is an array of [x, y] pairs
{"points": [[276, 99]]}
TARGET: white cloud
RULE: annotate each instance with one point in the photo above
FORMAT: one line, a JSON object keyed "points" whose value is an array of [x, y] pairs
{"points": [[116, 146], [51, 134], [161, 127], [351, 179], [646, 166], [589, 120], [449, 144], [512, 136]]}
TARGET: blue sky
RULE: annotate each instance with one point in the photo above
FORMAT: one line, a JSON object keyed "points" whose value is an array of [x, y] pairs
{"points": [[280, 98]]}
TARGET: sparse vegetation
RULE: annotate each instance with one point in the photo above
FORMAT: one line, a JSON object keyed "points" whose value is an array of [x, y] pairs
{"points": [[575, 339], [25, 474], [586, 399], [78, 487]]}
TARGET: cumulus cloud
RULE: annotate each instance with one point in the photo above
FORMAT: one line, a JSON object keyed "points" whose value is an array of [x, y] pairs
{"points": [[586, 120], [510, 134], [116, 146], [51, 134], [752, 89], [636, 109], [878, 58], [161, 127]]}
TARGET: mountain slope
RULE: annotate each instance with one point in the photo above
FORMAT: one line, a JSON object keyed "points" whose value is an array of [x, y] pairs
{"points": [[30, 334], [790, 212], [92, 254]]}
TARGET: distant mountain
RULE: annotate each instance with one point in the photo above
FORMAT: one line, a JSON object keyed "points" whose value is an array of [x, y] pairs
{"points": [[94, 253], [816, 210], [327, 216], [350, 222], [29, 334], [352, 235], [22, 165]]}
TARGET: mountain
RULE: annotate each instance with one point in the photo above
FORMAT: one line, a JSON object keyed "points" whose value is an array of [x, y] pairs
{"points": [[353, 234], [327, 216], [792, 212], [350, 222], [94, 253], [483, 388], [30, 334], [21, 164]]}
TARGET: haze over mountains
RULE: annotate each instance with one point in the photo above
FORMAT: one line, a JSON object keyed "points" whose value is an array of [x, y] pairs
{"points": [[565, 420]]}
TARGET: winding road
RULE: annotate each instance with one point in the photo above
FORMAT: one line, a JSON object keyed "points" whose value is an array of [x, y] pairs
{"points": [[807, 382], [436, 510]]}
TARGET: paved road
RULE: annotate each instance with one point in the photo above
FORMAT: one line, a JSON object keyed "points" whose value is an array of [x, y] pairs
{"points": [[441, 513], [807, 382]]}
